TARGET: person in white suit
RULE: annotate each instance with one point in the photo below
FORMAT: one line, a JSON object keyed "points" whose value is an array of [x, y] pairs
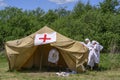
{"points": [[53, 58], [97, 48], [87, 43], [94, 55]]}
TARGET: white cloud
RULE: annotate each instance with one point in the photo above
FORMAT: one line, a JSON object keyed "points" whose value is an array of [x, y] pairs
{"points": [[2, 3], [62, 1]]}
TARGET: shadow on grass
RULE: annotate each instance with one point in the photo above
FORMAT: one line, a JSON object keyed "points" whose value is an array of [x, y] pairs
{"points": [[101, 68], [37, 70]]}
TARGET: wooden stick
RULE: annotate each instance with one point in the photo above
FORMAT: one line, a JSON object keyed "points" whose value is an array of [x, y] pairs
{"points": [[41, 58]]}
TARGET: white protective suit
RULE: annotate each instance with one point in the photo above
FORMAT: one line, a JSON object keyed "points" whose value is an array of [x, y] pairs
{"points": [[53, 56], [94, 54]]}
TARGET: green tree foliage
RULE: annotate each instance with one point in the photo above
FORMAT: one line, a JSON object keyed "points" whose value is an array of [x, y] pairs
{"points": [[109, 6], [84, 21], [81, 9], [61, 12], [50, 17]]}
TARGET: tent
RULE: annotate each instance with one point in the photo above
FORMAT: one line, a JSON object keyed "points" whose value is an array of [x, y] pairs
{"points": [[22, 53]]}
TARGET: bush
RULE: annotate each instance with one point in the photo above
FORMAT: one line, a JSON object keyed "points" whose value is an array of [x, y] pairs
{"points": [[110, 61]]}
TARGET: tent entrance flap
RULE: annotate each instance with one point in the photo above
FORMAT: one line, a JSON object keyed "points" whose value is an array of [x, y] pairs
{"points": [[39, 60]]}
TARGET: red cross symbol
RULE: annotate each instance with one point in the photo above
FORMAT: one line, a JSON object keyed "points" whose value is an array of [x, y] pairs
{"points": [[45, 38]]}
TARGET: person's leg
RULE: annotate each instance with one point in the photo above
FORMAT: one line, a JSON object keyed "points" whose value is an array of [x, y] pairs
{"points": [[96, 63], [96, 66], [90, 63]]}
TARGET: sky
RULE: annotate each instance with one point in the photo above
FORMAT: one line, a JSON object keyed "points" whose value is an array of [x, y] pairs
{"points": [[44, 4]]}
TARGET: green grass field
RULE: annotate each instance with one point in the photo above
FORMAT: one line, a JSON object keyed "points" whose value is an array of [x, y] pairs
{"points": [[109, 70]]}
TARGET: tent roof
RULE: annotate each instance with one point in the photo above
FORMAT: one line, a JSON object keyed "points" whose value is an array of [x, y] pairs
{"points": [[29, 40]]}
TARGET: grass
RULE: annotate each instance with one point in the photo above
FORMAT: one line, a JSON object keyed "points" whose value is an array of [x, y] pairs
{"points": [[110, 61], [109, 65]]}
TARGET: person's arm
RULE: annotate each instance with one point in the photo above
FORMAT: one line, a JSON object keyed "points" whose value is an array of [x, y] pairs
{"points": [[95, 48]]}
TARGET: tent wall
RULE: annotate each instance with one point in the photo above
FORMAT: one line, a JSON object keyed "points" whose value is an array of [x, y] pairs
{"points": [[40, 58]]}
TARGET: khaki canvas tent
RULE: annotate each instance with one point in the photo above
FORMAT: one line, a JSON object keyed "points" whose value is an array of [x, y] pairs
{"points": [[22, 53]]}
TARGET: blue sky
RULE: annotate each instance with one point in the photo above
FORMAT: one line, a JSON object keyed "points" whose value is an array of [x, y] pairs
{"points": [[43, 4]]}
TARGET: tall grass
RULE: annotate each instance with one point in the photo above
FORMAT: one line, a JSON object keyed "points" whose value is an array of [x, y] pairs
{"points": [[109, 61], [3, 60]]}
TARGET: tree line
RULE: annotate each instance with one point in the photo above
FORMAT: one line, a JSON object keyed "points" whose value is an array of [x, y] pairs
{"points": [[101, 23]]}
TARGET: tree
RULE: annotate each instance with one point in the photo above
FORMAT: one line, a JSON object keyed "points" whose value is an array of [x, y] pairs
{"points": [[61, 12], [50, 17], [81, 8], [109, 6]]}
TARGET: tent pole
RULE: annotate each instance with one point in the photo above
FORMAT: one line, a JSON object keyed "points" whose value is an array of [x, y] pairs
{"points": [[41, 55]]}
